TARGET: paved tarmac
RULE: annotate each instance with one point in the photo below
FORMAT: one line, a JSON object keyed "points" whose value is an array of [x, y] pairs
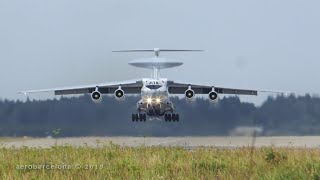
{"points": [[228, 142]]}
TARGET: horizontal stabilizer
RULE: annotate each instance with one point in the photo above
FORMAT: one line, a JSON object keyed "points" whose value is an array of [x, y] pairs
{"points": [[154, 50], [157, 50]]}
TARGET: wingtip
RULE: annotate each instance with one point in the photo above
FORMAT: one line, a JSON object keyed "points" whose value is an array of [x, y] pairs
{"points": [[278, 92], [23, 92], [287, 93]]}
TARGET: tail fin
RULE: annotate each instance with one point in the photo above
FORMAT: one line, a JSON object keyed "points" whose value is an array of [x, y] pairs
{"points": [[156, 50]]}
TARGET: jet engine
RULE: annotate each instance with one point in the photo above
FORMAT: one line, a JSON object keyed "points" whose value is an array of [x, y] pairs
{"points": [[119, 94], [213, 96], [96, 96], [189, 94]]}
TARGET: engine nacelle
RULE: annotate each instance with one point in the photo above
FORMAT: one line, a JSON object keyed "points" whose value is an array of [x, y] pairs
{"points": [[213, 96], [119, 94], [189, 94], [96, 96]]}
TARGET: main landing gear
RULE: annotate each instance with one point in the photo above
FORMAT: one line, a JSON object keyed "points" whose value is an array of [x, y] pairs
{"points": [[139, 117], [167, 117], [171, 117]]}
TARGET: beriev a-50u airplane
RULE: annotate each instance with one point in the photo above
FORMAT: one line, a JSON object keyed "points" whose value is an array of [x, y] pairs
{"points": [[155, 91]]}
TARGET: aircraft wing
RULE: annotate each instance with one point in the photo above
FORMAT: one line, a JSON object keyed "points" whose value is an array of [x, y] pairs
{"points": [[129, 87], [180, 88]]}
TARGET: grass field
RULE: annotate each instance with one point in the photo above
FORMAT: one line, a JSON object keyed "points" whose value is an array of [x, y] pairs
{"points": [[115, 162]]}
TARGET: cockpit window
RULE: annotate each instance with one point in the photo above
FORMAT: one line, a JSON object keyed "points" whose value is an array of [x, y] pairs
{"points": [[153, 86]]}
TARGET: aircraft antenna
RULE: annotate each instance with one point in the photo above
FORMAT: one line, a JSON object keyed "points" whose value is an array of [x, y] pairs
{"points": [[156, 51]]}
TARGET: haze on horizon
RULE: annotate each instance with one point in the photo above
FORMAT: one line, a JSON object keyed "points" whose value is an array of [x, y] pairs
{"points": [[248, 44]]}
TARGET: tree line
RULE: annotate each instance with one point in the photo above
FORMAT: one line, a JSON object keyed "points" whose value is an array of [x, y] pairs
{"points": [[79, 116]]}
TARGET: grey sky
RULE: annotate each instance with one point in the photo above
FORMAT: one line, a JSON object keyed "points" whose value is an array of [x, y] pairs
{"points": [[266, 44]]}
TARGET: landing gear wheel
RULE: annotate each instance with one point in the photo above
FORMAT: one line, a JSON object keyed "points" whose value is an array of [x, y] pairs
{"points": [[173, 117], [141, 117], [177, 117]]}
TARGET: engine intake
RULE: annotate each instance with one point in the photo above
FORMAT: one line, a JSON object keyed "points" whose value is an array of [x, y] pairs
{"points": [[119, 94], [213, 96], [96, 96], [189, 94]]}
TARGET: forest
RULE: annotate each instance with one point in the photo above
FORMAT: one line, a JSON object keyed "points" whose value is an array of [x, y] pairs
{"points": [[80, 116]]}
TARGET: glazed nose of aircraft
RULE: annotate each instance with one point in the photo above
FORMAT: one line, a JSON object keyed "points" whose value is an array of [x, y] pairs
{"points": [[153, 86]]}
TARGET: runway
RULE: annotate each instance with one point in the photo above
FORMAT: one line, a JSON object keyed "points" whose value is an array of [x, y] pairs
{"points": [[228, 142]]}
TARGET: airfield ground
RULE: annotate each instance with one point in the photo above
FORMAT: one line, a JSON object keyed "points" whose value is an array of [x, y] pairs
{"points": [[160, 158], [186, 142]]}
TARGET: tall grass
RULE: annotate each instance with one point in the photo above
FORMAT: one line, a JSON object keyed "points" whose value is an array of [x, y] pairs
{"points": [[115, 162]]}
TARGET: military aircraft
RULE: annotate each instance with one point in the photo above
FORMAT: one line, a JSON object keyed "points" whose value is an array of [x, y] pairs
{"points": [[155, 91]]}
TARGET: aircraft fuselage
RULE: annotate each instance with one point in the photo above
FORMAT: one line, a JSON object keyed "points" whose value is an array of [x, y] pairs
{"points": [[155, 98]]}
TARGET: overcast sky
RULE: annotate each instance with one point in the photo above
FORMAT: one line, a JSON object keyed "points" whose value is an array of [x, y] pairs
{"points": [[263, 44]]}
